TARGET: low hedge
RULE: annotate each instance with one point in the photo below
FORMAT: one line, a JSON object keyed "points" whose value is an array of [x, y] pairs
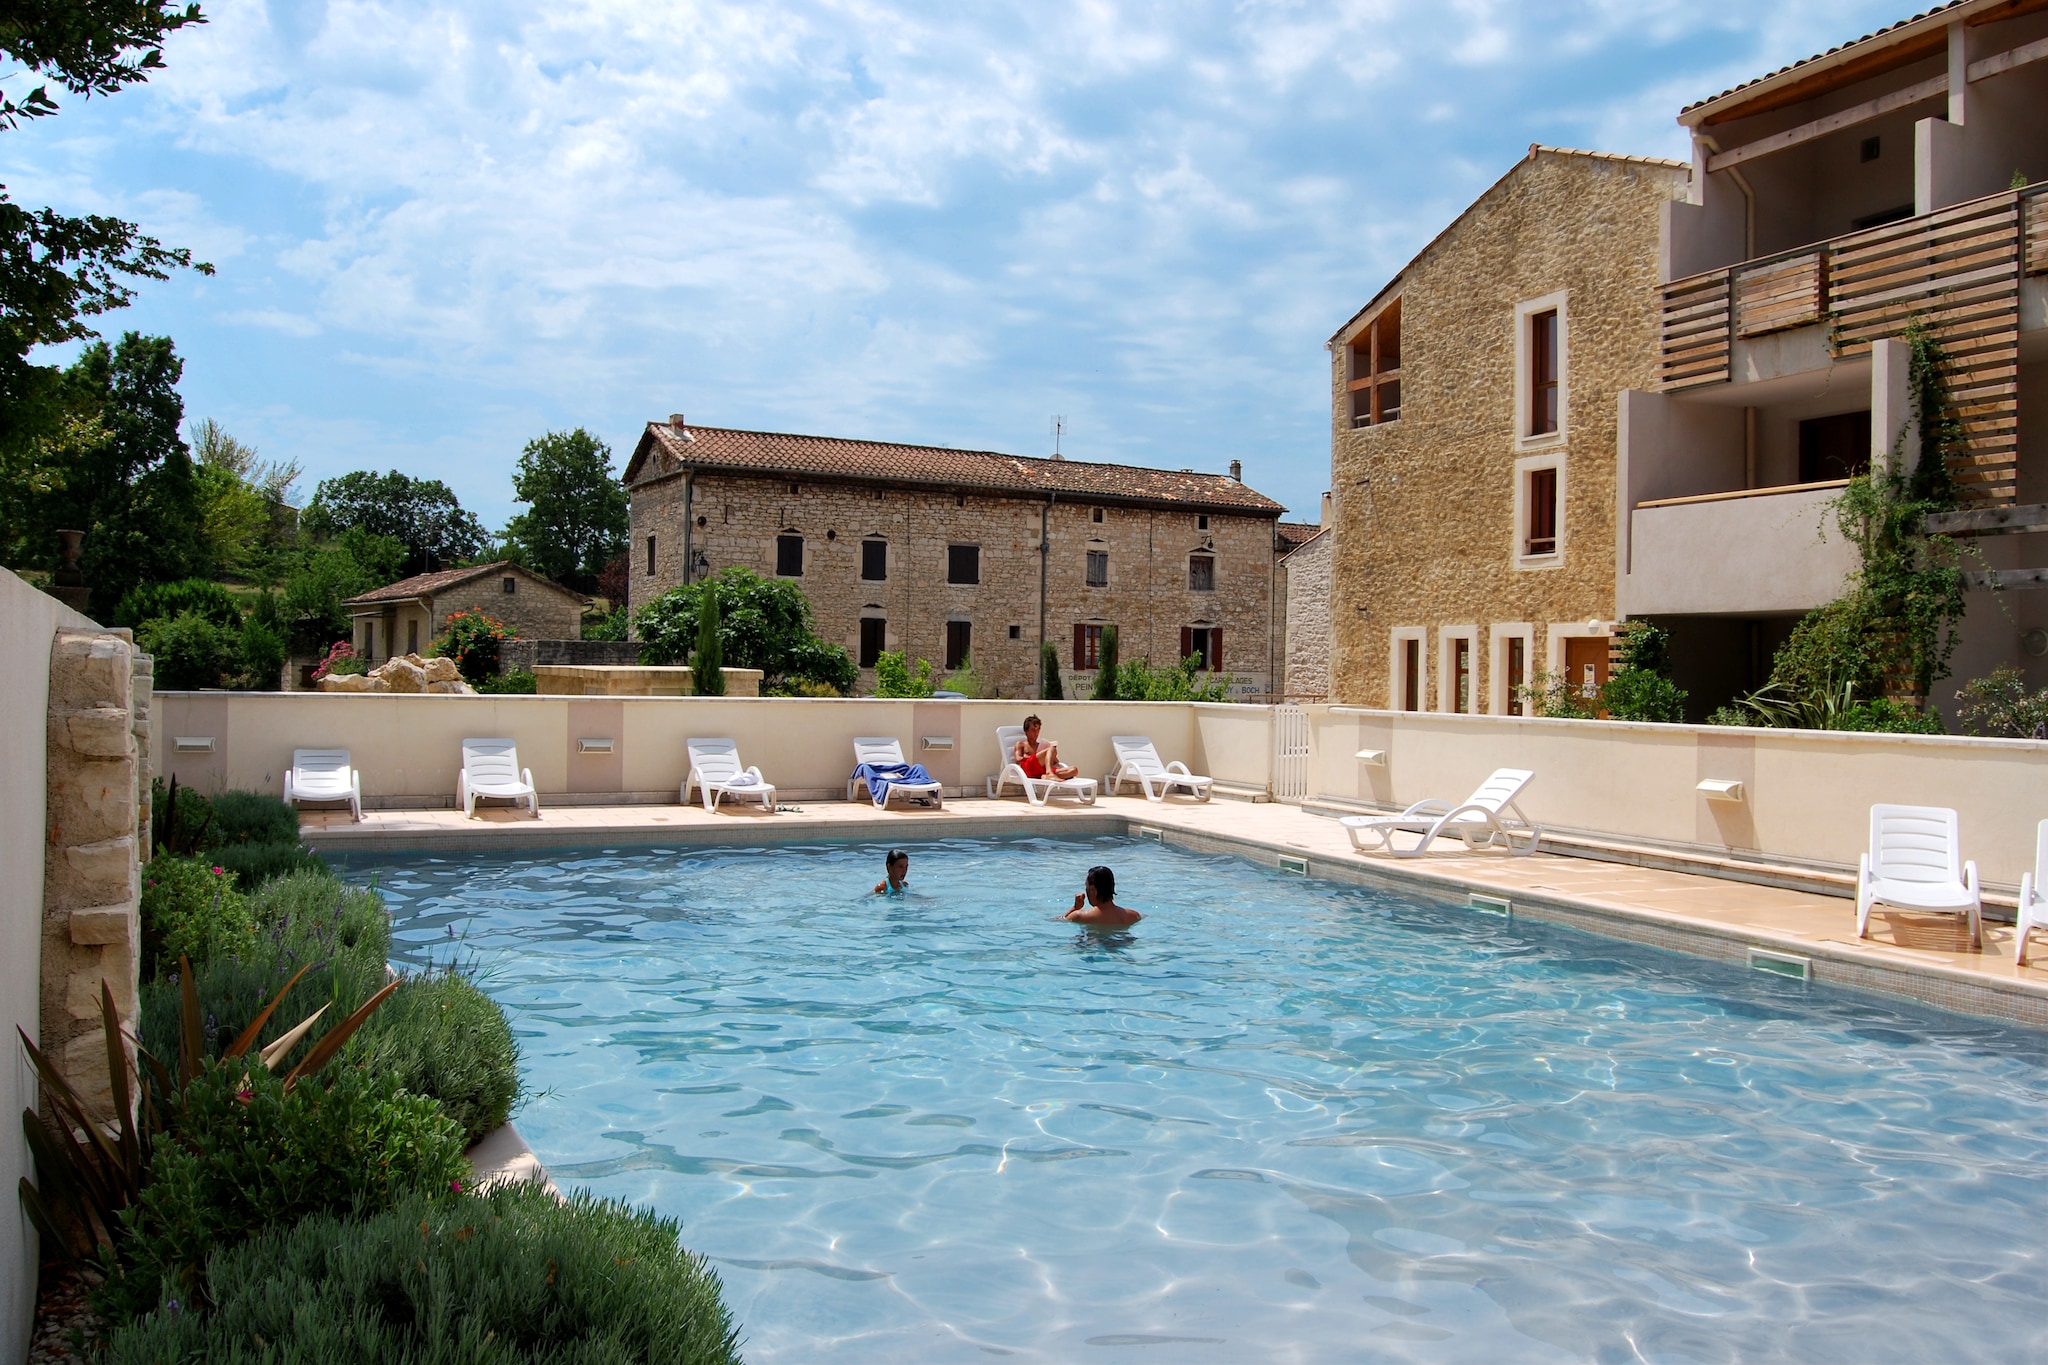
{"points": [[255, 864], [441, 1036], [246, 1155], [191, 906], [510, 1276], [246, 817]]}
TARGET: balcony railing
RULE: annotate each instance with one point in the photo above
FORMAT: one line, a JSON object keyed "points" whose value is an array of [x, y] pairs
{"points": [[1956, 272]]}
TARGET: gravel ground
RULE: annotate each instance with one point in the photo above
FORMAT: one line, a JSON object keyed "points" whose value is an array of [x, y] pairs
{"points": [[60, 1310]]}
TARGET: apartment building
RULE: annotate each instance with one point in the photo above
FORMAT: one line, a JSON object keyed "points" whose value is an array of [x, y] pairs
{"points": [[1473, 409], [962, 555], [1892, 180]]}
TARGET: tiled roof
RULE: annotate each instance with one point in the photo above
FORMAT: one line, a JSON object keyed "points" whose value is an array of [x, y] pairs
{"points": [[427, 584], [1893, 30], [665, 449], [1295, 534]]}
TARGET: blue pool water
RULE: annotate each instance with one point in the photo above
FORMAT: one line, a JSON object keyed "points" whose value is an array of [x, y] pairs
{"points": [[1278, 1120]]}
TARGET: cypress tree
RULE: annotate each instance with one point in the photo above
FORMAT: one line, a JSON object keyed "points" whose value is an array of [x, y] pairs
{"points": [[1050, 688], [709, 663], [1105, 666]]}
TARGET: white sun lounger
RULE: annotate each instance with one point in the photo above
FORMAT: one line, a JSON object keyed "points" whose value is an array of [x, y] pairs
{"points": [[1916, 863], [490, 768], [1138, 761], [1478, 820], [716, 772], [324, 775], [2033, 896], [880, 750], [1037, 790]]}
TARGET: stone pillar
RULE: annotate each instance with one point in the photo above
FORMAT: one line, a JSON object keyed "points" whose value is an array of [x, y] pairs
{"points": [[91, 881]]}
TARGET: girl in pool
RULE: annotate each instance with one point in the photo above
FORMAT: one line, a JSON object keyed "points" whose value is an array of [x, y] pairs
{"points": [[896, 869], [1097, 902]]}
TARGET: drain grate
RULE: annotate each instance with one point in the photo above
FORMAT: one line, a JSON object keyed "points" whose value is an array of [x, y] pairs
{"points": [[1781, 964], [1152, 832], [1298, 866], [1490, 905]]}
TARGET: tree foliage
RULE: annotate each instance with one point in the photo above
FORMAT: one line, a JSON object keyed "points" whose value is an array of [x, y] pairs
{"points": [[1137, 680], [1050, 685], [1105, 666], [423, 515], [575, 522], [707, 663], [895, 677], [763, 623]]}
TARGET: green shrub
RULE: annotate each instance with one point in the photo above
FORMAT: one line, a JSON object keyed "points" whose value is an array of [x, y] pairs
{"points": [[248, 1155], [260, 656], [301, 918], [180, 819], [471, 639], [255, 864], [1639, 694], [190, 650], [1050, 686], [895, 678], [246, 817], [2001, 706], [1137, 680], [607, 625], [1105, 666], [509, 1276], [441, 1036], [190, 906], [341, 660], [763, 623], [518, 682], [707, 660], [195, 596]]}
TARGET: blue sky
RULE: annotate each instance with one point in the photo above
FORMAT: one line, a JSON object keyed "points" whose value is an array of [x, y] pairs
{"points": [[443, 228]]}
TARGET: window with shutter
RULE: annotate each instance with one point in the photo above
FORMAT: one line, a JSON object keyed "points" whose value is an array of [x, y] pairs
{"points": [[959, 643], [963, 564], [1201, 573], [1541, 538], [874, 560], [1098, 568], [789, 556], [1087, 646], [1204, 643]]}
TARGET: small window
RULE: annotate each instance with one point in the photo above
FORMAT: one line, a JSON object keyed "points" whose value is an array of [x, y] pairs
{"points": [[1087, 646], [1518, 675], [1543, 372], [412, 637], [1375, 370], [510, 585], [789, 556], [1098, 568], [1201, 523], [1872, 148], [874, 636], [795, 488], [1461, 676], [1204, 643], [1097, 518], [963, 564], [650, 556], [1201, 573], [1835, 447], [874, 560], [369, 639], [1016, 632], [1411, 675], [1541, 513], [959, 643]]}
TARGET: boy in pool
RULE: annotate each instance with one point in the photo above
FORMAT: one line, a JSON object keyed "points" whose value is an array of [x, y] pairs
{"points": [[1097, 902], [897, 869]]}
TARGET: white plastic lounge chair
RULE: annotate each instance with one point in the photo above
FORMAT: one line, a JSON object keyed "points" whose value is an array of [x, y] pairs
{"points": [[879, 750], [1037, 790], [490, 768], [1138, 761], [715, 771], [324, 775], [1478, 820], [1916, 863], [2033, 896]]}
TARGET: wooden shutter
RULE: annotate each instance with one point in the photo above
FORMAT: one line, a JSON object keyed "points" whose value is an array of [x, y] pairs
{"points": [[1187, 643], [1081, 646], [1215, 649]]}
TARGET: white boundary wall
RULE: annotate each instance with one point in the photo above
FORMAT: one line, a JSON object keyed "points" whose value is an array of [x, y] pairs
{"points": [[1807, 795], [28, 621]]}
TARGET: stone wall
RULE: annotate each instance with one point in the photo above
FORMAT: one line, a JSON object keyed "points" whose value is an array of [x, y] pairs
{"points": [[531, 610], [1424, 532], [531, 654], [98, 823], [1308, 621], [1147, 595]]}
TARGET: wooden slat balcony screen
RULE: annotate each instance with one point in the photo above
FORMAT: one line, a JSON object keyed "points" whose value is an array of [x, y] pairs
{"points": [[1957, 272]]}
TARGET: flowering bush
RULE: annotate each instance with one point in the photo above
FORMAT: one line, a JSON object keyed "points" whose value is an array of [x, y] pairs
{"points": [[190, 906], [340, 659], [472, 639]]}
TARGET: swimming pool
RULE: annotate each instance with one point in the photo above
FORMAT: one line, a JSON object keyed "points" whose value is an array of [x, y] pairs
{"points": [[1278, 1120]]}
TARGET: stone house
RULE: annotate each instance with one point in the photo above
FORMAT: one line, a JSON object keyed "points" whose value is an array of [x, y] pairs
{"points": [[1305, 588], [1473, 411], [404, 617], [959, 555]]}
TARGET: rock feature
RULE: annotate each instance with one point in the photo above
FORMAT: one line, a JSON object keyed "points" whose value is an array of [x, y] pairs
{"points": [[408, 673]]}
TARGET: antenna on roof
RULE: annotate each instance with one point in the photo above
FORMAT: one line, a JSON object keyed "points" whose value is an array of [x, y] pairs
{"points": [[1059, 429]]}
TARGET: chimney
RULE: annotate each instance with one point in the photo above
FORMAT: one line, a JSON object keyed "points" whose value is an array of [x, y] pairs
{"points": [[1237, 470], [1324, 516], [675, 419]]}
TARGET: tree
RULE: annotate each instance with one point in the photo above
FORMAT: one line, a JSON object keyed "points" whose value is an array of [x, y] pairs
{"points": [[763, 623], [321, 578], [423, 515], [1105, 666], [708, 665], [1050, 688], [575, 523], [57, 271]]}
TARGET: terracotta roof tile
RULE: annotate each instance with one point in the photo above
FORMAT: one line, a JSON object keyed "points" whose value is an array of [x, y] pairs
{"points": [[1295, 534], [780, 453], [427, 584], [1821, 56]]}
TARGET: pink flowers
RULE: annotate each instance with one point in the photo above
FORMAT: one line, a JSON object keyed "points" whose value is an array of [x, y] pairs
{"points": [[455, 1186], [218, 873]]}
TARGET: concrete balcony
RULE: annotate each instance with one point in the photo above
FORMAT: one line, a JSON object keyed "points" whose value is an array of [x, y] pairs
{"points": [[1750, 553]]}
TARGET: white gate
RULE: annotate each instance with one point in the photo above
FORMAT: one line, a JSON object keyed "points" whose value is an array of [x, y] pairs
{"points": [[1290, 754]]}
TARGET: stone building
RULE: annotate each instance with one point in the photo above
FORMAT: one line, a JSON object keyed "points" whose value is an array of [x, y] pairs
{"points": [[1305, 587], [1473, 413], [404, 617], [959, 555]]}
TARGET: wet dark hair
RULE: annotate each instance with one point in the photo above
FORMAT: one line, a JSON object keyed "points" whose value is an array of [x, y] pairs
{"points": [[896, 855], [1104, 882], [1030, 721]]}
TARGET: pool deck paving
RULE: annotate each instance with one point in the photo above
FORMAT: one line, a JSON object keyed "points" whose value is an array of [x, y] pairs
{"points": [[1926, 957]]}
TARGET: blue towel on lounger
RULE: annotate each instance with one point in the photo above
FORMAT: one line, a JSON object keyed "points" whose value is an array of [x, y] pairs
{"points": [[878, 776]]}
